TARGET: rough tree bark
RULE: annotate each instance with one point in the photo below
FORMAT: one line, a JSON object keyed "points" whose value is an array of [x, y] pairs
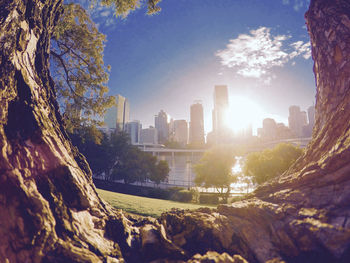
{"points": [[49, 209]]}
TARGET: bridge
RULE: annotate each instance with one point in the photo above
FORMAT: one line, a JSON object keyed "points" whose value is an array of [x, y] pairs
{"points": [[157, 151], [301, 142], [181, 161]]}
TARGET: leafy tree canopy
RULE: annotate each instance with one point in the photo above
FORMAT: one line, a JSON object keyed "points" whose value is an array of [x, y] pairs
{"points": [[78, 70], [215, 169], [118, 160], [265, 165], [161, 173], [124, 7]]}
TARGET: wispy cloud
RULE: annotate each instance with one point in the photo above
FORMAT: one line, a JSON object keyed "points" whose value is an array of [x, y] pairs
{"points": [[297, 4], [301, 49], [255, 54], [102, 15], [106, 13]]}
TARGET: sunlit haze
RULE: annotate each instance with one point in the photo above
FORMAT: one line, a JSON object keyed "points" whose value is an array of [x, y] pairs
{"points": [[242, 113]]}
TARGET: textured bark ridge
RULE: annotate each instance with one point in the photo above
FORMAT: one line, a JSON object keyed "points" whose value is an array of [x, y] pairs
{"points": [[49, 209]]}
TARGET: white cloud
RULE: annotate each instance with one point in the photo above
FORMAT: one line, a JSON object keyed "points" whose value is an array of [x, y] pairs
{"points": [[110, 21], [297, 4], [301, 49], [105, 13], [101, 15], [255, 54]]}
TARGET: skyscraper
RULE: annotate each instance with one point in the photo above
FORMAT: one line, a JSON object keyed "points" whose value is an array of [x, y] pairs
{"points": [[111, 118], [307, 129], [117, 116], [133, 128], [269, 130], [123, 112], [171, 130], [196, 124], [149, 136], [296, 120], [303, 118], [181, 131], [220, 108], [161, 124]]}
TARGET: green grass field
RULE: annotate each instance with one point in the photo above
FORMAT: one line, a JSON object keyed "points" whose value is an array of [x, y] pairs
{"points": [[142, 205]]}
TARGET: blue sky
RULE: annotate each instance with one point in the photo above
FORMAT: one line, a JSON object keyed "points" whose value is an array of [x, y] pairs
{"points": [[260, 49]]}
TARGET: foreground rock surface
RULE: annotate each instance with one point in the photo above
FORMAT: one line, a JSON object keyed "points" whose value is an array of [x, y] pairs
{"points": [[49, 208]]}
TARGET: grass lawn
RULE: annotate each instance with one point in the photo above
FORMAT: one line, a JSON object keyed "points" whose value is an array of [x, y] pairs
{"points": [[143, 205]]}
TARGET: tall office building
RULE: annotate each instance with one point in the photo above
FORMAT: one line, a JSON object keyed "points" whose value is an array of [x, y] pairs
{"points": [[297, 120], [303, 118], [161, 124], [117, 116], [269, 130], [197, 124], [133, 128], [123, 112], [111, 118], [220, 108], [171, 130], [181, 131], [220, 133], [149, 136], [307, 129]]}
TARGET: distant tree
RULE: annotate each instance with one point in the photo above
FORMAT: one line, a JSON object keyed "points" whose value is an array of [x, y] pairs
{"points": [[215, 170], [148, 165], [265, 165], [117, 159], [138, 166], [161, 172], [104, 154], [130, 167], [90, 141], [118, 149]]}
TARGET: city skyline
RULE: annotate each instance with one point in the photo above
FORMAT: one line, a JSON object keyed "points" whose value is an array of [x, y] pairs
{"points": [[300, 123], [200, 53]]}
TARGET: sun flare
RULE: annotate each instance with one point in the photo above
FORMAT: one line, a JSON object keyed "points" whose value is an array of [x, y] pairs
{"points": [[242, 113]]}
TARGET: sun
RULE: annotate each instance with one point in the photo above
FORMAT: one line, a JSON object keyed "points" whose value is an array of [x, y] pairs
{"points": [[242, 114]]}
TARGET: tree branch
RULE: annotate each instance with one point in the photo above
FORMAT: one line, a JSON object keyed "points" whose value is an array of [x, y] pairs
{"points": [[66, 71], [73, 52]]}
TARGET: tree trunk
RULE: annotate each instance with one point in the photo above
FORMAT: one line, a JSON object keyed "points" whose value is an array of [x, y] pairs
{"points": [[49, 209]]}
